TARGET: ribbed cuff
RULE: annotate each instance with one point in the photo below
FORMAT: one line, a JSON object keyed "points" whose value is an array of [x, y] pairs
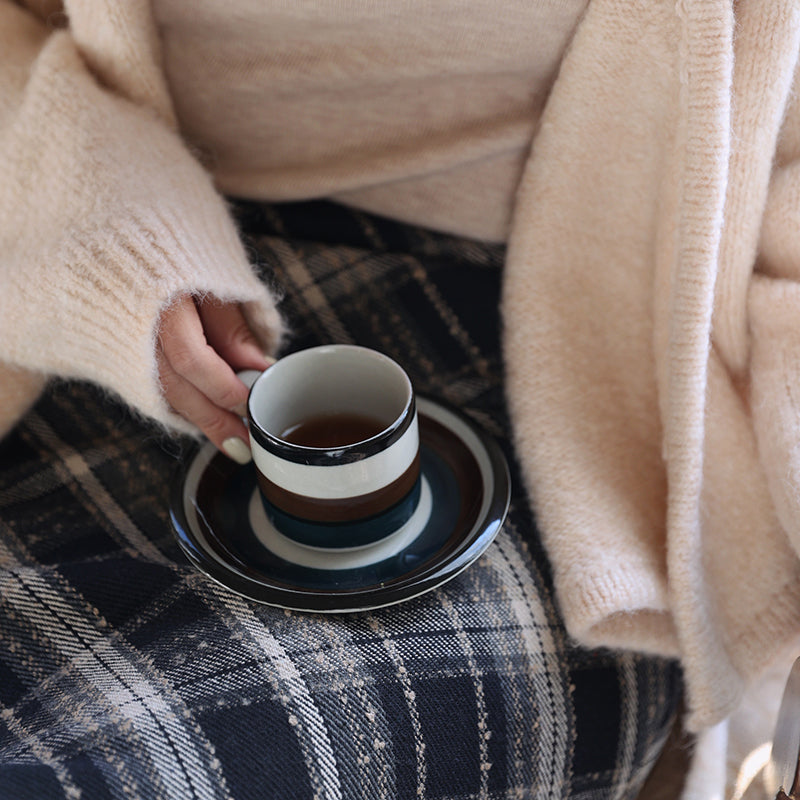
{"points": [[626, 608]]}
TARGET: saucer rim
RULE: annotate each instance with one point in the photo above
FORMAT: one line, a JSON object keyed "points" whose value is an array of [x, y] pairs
{"points": [[444, 567]]}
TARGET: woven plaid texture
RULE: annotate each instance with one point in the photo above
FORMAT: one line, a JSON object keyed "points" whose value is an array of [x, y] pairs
{"points": [[125, 673]]}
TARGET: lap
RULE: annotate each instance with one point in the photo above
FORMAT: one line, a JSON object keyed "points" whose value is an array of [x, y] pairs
{"points": [[125, 672]]}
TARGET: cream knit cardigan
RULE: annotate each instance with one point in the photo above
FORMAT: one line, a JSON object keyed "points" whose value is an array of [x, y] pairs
{"points": [[651, 301]]}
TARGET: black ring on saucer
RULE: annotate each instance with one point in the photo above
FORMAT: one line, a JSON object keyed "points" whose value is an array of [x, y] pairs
{"points": [[467, 480]]}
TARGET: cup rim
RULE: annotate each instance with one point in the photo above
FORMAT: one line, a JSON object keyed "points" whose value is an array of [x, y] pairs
{"points": [[344, 454]]}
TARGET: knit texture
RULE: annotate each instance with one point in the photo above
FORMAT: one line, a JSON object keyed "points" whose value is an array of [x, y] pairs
{"points": [[641, 435]]}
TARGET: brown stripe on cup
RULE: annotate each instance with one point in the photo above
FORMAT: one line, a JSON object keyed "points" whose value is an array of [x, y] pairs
{"points": [[344, 509]]}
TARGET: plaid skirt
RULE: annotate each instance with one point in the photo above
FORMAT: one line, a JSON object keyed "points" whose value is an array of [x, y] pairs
{"points": [[124, 672]]}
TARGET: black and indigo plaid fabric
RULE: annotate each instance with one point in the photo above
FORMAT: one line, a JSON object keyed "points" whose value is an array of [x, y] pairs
{"points": [[125, 673]]}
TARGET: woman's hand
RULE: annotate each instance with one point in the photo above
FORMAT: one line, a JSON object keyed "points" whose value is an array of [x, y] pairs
{"points": [[201, 345]]}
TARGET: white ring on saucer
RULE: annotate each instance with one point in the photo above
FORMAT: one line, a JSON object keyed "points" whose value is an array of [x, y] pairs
{"points": [[340, 558]]}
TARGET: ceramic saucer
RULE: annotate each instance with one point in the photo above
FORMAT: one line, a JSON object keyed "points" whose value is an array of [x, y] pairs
{"points": [[222, 528]]}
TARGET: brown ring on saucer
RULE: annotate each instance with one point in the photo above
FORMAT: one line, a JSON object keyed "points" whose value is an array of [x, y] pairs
{"points": [[347, 509]]}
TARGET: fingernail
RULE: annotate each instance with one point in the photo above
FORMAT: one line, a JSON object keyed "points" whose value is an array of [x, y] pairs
{"points": [[269, 359], [236, 449], [240, 409]]}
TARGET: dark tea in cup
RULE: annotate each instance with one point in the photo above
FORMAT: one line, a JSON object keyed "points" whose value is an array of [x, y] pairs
{"points": [[333, 430]]}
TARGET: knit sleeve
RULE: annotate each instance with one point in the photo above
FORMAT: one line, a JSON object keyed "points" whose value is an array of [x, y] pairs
{"points": [[105, 219], [773, 311]]}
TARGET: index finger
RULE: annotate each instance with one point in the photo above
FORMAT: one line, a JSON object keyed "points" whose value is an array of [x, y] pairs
{"points": [[186, 349], [228, 332]]}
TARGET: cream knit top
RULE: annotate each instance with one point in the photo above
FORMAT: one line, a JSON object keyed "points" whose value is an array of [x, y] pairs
{"points": [[421, 110], [639, 156]]}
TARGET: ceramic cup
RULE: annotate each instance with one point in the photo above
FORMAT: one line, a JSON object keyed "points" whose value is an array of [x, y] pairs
{"points": [[335, 442]]}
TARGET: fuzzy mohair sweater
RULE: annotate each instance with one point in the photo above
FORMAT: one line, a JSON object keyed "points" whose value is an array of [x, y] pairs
{"points": [[639, 156]]}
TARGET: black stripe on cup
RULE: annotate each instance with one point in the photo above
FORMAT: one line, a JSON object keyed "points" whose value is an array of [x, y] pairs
{"points": [[334, 456]]}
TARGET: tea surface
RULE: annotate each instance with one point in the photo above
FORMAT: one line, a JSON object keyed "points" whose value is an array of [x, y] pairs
{"points": [[332, 430]]}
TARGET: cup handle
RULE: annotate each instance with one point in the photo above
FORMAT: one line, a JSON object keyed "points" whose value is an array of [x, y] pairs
{"points": [[248, 377]]}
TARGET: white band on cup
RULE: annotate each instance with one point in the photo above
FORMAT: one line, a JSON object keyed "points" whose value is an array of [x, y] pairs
{"points": [[343, 480]]}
